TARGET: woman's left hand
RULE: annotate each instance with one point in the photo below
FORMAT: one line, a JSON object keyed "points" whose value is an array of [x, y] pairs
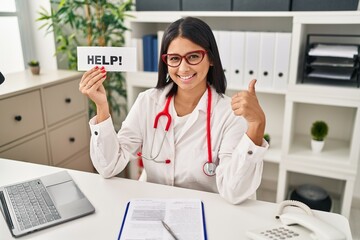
{"points": [[246, 104]]}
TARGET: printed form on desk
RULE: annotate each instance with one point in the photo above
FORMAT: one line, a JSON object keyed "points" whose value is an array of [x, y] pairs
{"points": [[143, 219]]}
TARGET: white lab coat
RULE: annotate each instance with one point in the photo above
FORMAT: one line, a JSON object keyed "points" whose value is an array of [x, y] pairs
{"points": [[239, 160]]}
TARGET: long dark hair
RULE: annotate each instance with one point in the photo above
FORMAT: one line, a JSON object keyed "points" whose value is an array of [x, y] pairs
{"points": [[201, 34]]}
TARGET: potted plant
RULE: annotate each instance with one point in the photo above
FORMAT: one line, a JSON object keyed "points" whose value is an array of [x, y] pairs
{"points": [[319, 131], [267, 137], [34, 67], [90, 23]]}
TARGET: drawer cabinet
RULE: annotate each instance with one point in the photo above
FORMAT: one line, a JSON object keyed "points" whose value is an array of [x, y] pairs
{"points": [[33, 150], [20, 115], [66, 140], [44, 119], [79, 162], [62, 101]]}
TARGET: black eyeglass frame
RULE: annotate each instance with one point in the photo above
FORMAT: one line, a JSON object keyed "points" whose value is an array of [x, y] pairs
{"points": [[165, 55]]}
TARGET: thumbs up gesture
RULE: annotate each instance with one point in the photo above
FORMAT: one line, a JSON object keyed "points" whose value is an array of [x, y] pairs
{"points": [[246, 104]]}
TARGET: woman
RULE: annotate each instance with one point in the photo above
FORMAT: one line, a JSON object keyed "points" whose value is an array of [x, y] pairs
{"points": [[213, 143]]}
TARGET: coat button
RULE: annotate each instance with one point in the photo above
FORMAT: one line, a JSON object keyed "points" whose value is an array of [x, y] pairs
{"points": [[96, 133], [250, 152]]}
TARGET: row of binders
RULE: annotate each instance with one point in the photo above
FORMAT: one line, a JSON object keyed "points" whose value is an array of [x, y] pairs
{"points": [[148, 48], [244, 55], [263, 56]]}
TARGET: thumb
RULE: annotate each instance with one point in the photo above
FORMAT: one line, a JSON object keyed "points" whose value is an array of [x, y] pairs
{"points": [[251, 87]]}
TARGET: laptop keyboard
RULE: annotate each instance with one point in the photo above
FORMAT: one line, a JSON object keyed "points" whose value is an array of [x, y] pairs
{"points": [[32, 204]]}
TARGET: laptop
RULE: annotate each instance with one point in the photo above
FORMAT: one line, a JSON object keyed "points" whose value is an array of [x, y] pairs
{"points": [[42, 202]]}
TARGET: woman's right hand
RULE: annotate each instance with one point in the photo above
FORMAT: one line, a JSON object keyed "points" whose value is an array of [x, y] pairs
{"points": [[91, 85]]}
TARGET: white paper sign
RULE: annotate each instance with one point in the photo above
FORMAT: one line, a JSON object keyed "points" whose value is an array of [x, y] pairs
{"points": [[114, 59]]}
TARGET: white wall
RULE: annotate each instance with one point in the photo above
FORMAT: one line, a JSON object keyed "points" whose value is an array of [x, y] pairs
{"points": [[44, 44]]}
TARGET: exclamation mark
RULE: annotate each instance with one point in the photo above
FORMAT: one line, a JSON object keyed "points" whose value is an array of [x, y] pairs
{"points": [[120, 59]]}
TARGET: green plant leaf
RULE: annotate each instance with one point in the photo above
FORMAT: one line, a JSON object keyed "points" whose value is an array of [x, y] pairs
{"points": [[72, 27]]}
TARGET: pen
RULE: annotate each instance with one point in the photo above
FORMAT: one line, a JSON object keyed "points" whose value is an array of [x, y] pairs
{"points": [[169, 230]]}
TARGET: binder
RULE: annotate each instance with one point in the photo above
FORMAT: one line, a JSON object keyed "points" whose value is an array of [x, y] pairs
{"points": [[266, 61], [143, 219], [148, 52], [237, 60], [252, 55], [282, 60], [224, 51], [138, 44], [216, 36], [155, 54], [160, 35]]}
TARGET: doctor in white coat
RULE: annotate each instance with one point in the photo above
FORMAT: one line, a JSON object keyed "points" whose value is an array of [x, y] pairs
{"points": [[203, 139]]}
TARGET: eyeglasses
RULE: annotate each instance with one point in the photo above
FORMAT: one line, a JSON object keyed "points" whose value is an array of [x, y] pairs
{"points": [[192, 58]]}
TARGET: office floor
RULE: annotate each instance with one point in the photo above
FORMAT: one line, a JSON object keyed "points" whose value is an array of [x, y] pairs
{"points": [[270, 196]]}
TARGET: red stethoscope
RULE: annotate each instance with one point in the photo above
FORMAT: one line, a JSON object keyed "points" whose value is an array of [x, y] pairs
{"points": [[209, 167]]}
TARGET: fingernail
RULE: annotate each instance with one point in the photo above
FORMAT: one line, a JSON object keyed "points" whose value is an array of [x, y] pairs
{"points": [[103, 71], [96, 68], [102, 67], [104, 76]]}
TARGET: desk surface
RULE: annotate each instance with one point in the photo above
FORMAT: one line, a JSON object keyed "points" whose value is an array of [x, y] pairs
{"points": [[109, 197]]}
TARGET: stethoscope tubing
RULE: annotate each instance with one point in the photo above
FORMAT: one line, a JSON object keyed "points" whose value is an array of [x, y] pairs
{"points": [[165, 112], [208, 127]]}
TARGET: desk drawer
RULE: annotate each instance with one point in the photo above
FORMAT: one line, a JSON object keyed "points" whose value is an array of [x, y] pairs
{"points": [[69, 139], [33, 151], [62, 101], [80, 162], [20, 116]]}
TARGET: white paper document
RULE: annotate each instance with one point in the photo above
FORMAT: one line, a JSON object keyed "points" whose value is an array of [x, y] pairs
{"points": [[327, 74], [143, 220], [324, 50], [114, 59]]}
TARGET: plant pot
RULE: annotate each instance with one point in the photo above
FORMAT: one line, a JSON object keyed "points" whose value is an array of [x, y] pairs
{"points": [[35, 70], [317, 146]]}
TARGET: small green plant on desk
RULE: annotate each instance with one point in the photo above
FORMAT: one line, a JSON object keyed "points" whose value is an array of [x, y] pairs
{"points": [[34, 67]]}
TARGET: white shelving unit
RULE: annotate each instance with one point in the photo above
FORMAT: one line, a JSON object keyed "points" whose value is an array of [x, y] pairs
{"points": [[289, 112]]}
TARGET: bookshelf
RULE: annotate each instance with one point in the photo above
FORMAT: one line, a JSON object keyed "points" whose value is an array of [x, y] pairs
{"points": [[289, 111]]}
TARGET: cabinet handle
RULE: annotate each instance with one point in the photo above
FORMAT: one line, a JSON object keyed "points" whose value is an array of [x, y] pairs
{"points": [[237, 71], [265, 73], [18, 118], [72, 139], [280, 74], [68, 100], [251, 72]]}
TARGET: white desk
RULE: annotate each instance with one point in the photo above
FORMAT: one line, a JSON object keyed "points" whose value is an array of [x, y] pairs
{"points": [[109, 197]]}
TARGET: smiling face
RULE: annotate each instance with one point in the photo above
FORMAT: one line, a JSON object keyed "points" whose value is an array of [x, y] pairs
{"points": [[188, 77]]}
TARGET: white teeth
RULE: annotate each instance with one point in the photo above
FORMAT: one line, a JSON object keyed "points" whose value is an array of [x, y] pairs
{"points": [[186, 77]]}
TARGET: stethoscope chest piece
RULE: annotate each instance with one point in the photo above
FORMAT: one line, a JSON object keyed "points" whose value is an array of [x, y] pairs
{"points": [[209, 168]]}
